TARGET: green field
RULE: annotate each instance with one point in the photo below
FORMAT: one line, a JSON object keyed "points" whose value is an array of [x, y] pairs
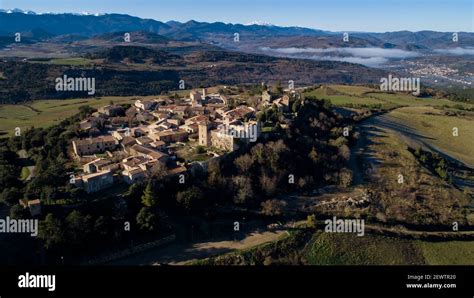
{"points": [[303, 247], [345, 95], [359, 96], [348, 249], [410, 100], [448, 253], [44, 113], [438, 129], [351, 90]]}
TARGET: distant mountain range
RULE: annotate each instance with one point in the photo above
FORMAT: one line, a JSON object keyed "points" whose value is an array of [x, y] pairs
{"points": [[86, 24], [17, 10], [219, 33]]}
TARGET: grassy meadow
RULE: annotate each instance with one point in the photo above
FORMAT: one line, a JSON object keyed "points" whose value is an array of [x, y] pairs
{"points": [[359, 96], [348, 249], [438, 129], [321, 249], [44, 113]]}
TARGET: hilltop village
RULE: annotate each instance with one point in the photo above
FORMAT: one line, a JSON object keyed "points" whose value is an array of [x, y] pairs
{"points": [[147, 138]]}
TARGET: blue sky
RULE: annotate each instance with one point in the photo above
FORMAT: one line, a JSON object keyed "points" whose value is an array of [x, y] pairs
{"points": [[335, 15]]}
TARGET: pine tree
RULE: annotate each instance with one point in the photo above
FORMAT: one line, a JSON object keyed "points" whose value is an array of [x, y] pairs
{"points": [[51, 232], [149, 198], [147, 220]]}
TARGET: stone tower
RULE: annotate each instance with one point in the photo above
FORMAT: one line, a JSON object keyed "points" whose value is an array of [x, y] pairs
{"points": [[204, 134]]}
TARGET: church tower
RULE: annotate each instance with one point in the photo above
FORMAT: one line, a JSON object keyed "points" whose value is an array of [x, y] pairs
{"points": [[204, 134]]}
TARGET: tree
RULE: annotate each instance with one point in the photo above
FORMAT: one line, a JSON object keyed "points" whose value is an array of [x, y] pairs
{"points": [[243, 187], [8, 175], [102, 226], [345, 152], [147, 220], [135, 191], [313, 155], [200, 150], [18, 212], [311, 221], [10, 196], [78, 227], [418, 152], [243, 163], [85, 111], [190, 199], [275, 152], [149, 198], [278, 90], [345, 177], [268, 184], [340, 141], [50, 231], [296, 105], [159, 171], [258, 153], [214, 177], [273, 207]]}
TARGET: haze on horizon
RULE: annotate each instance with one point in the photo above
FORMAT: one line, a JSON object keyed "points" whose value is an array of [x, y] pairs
{"points": [[334, 15]]}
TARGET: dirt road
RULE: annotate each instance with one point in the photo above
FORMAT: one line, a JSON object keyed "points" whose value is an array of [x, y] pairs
{"points": [[178, 254], [411, 137]]}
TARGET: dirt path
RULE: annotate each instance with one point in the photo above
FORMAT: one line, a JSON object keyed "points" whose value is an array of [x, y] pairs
{"points": [[411, 137], [31, 108], [178, 254]]}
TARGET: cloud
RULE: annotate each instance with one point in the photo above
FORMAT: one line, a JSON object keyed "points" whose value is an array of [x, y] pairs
{"points": [[456, 51], [366, 56], [371, 62], [378, 52]]}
